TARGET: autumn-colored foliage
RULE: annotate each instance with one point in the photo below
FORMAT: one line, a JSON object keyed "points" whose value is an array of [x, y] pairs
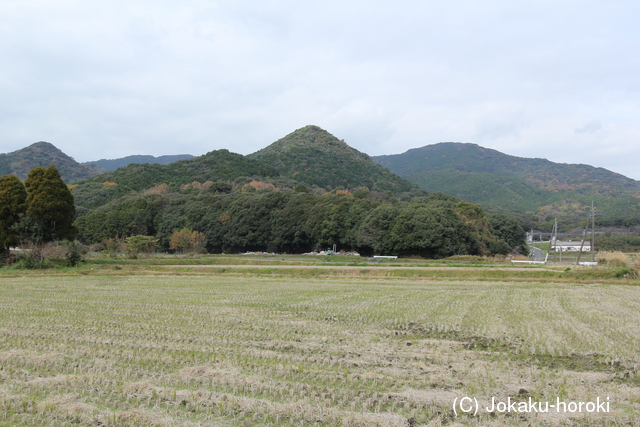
{"points": [[224, 217], [259, 185], [158, 189], [187, 240]]}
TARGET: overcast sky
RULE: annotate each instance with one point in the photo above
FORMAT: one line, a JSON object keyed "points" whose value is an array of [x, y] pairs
{"points": [[106, 79]]}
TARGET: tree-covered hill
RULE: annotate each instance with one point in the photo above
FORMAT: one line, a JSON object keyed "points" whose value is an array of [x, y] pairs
{"points": [[109, 165], [540, 173], [218, 165], [501, 181], [288, 197], [491, 190], [214, 167], [315, 157], [308, 157], [44, 154]]}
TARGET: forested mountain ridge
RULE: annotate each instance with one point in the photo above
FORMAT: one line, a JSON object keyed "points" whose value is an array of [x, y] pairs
{"points": [[219, 166], [541, 173], [304, 192], [308, 158], [315, 157], [500, 181], [109, 165], [44, 154]]}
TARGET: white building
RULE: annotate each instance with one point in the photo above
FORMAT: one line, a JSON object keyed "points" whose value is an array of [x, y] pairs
{"points": [[570, 246]]}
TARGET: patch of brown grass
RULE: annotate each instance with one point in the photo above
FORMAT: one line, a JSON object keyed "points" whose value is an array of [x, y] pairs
{"points": [[614, 259]]}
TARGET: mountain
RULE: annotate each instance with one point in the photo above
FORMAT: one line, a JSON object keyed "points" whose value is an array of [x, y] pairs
{"points": [[44, 154], [109, 165], [215, 166], [309, 156], [218, 165], [495, 179], [315, 157]]}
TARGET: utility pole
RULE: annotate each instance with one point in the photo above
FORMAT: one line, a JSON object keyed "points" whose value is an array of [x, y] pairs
{"points": [[584, 233], [592, 217], [593, 232], [554, 241]]}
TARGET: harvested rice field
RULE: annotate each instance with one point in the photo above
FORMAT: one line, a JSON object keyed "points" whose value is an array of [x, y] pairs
{"points": [[216, 350]]}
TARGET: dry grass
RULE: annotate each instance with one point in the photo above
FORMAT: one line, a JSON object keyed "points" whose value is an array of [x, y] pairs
{"points": [[615, 259], [631, 262], [224, 351]]}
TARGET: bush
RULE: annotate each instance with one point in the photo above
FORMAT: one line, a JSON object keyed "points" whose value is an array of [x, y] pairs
{"points": [[53, 252], [8, 259], [114, 246], [67, 254], [73, 257], [136, 245], [32, 260]]}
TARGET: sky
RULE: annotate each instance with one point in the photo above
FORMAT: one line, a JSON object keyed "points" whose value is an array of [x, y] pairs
{"points": [[105, 79]]}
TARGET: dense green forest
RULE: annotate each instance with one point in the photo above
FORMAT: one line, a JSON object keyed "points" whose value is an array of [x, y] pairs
{"points": [[500, 193], [541, 173], [293, 221], [215, 166], [501, 182], [315, 157], [305, 192], [310, 191]]}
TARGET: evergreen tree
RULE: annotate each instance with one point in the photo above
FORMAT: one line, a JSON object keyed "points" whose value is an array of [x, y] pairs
{"points": [[49, 206], [12, 204], [432, 230]]}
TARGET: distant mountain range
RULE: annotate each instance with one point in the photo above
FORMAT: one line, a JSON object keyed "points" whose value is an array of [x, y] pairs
{"points": [[109, 165], [20, 162], [540, 173], [42, 153], [313, 157], [491, 178]]}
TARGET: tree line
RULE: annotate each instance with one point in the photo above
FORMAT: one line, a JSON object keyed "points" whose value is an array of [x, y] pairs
{"points": [[255, 217], [298, 221]]}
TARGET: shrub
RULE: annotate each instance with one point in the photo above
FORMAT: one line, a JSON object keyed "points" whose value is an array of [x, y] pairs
{"points": [[66, 254], [74, 252], [114, 246], [136, 245], [32, 260]]}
